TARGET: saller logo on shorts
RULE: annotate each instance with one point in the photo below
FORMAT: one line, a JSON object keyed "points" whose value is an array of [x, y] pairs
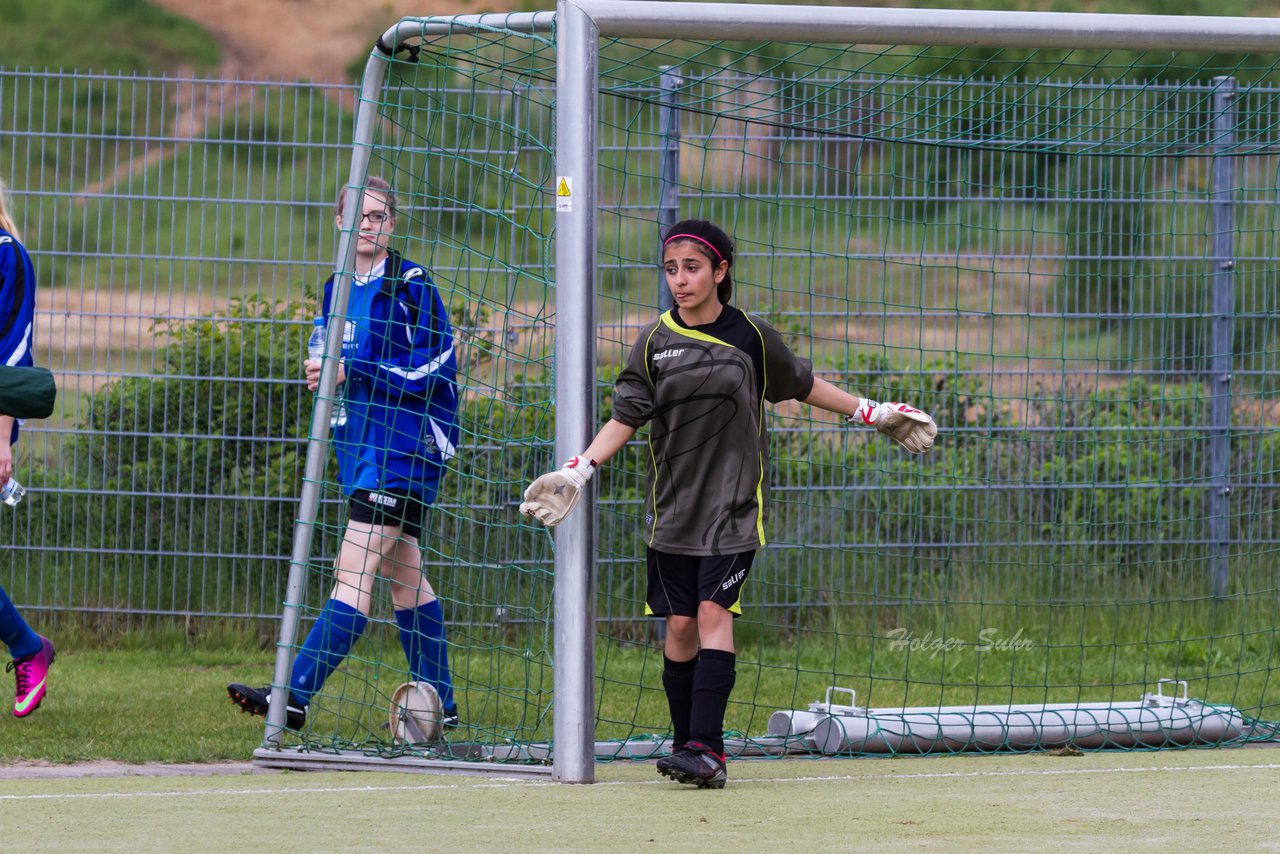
{"points": [[733, 579], [384, 500], [667, 354]]}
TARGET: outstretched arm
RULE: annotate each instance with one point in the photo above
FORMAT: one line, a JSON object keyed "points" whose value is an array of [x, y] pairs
{"points": [[613, 437], [906, 425], [826, 396], [551, 498]]}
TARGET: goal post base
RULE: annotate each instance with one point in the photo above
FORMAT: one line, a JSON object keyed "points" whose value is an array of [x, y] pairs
{"points": [[484, 763], [530, 760]]}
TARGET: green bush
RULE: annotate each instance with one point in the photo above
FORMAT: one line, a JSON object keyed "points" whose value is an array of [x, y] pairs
{"points": [[186, 482]]}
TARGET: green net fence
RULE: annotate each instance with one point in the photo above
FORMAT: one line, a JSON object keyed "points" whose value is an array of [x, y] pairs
{"points": [[1069, 258]]}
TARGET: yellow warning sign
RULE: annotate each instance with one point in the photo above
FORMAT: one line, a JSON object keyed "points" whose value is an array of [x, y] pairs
{"points": [[564, 193]]}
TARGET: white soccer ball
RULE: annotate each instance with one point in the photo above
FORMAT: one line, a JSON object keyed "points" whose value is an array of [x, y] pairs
{"points": [[415, 713]]}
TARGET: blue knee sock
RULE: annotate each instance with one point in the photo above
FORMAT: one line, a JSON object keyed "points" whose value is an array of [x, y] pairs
{"points": [[14, 631], [327, 644], [422, 636]]}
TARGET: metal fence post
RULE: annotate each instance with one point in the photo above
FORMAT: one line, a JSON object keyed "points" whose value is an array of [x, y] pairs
{"points": [[1222, 193], [669, 170]]}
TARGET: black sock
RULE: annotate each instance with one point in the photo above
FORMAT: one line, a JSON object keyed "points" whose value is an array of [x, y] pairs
{"points": [[712, 684], [677, 681]]}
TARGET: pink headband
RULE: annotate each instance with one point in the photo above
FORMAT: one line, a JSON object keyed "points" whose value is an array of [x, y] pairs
{"points": [[693, 237]]}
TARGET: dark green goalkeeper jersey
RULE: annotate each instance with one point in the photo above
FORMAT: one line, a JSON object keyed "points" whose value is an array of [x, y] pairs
{"points": [[702, 391]]}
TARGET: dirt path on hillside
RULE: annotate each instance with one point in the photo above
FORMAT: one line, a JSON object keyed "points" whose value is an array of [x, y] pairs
{"points": [[293, 40], [313, 40]]}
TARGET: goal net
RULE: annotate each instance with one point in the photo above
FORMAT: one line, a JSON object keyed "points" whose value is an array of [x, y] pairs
{"points": [[1068, 257]]}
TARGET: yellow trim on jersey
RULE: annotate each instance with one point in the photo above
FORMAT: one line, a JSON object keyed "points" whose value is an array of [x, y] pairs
{"points": [[764, 366], [670, 323], [648, 373], [648, 369], [760, 505], [653, 460]]}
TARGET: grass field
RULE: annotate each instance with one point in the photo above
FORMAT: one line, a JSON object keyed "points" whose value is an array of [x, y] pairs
{"points": [[1185, 800], [166, 691], [94, 769], [145, 705]]}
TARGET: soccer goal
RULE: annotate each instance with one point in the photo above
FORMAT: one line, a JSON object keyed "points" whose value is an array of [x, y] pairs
{"points": [[1056, 232]]}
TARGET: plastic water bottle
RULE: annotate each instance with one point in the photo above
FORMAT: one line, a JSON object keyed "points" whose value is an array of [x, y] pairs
{"points": [[11, 493], [315, 350]]}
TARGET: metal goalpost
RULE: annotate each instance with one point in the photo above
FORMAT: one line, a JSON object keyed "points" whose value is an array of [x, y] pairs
{"points": [[578, 26]]}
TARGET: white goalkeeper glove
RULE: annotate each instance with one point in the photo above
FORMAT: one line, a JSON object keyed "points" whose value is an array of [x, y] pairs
{"points": [[552, 497], [906, 425]]}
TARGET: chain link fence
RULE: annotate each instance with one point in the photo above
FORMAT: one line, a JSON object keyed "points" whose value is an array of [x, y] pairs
{"points": [[180, 229]]}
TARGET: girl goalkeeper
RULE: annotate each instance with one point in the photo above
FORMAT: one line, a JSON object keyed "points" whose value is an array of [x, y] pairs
{"points": [[699, 376]]}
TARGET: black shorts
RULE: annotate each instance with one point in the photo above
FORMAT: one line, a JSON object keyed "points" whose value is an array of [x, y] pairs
{"points": [[391, 508], [677, 583]]}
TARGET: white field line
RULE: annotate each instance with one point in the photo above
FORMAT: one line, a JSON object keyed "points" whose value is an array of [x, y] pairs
{"points": [[510, 783], [204, 793]]}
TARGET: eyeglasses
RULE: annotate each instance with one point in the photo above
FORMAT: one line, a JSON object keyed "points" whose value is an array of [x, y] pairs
{"points": [[375, 217]]}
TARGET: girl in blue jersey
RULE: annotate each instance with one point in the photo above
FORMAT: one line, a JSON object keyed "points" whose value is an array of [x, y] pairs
{"points": [[31, 653], [399, 379]]}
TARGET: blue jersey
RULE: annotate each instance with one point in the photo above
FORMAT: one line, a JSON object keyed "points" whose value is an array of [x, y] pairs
{"points": [[17, 306], [401, 383]]}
